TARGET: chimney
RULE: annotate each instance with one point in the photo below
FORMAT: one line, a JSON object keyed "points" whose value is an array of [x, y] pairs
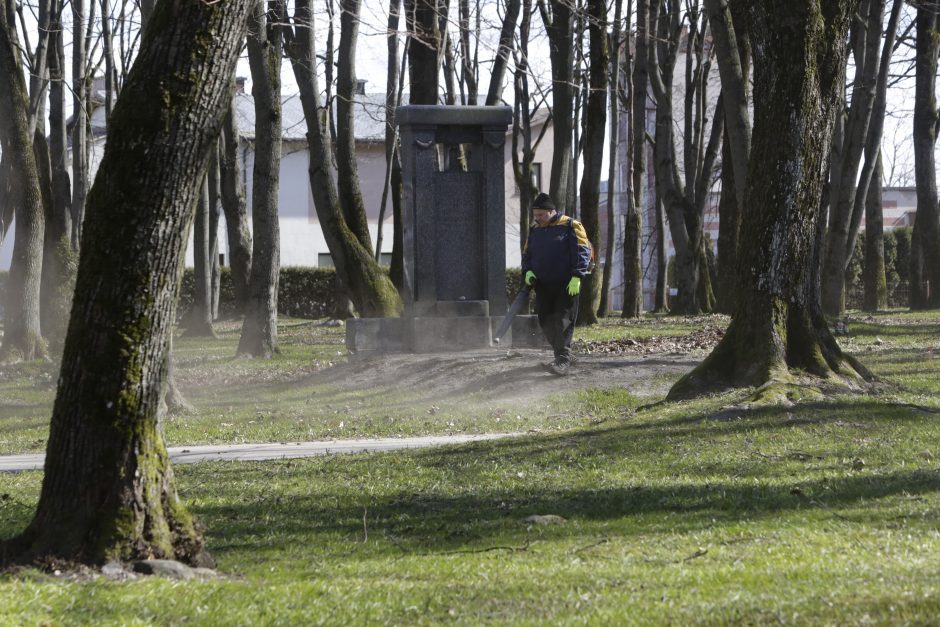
{"points": [[360, 87], [240, 84]]}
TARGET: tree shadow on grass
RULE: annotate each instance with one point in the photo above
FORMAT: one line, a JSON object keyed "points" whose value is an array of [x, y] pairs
{"points": [[458, 505]]}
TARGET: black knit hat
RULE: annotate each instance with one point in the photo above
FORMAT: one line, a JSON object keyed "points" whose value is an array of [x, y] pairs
{"points": [[543, 201]]}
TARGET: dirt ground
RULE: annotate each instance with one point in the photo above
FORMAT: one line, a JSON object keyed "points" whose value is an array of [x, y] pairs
{"points": [[511, 375]]}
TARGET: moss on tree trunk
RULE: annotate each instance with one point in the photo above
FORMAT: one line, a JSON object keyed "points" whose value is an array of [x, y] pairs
{"points": [[108, 490], [778, 327]]}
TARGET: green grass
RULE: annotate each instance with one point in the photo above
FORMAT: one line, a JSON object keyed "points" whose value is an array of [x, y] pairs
{"points": [[827, 512]]}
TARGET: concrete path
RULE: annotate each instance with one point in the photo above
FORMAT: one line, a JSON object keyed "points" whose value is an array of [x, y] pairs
{"points": [[283, 450]]}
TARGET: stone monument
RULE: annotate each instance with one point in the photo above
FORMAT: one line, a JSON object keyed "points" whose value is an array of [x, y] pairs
{"points": [[453, 169]]}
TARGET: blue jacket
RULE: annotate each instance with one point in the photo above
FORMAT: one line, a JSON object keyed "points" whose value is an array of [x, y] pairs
{"points": [[558, 251]]}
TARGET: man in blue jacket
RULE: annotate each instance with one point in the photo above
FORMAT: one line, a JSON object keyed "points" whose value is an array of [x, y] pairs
{"points": [[556, 257]]}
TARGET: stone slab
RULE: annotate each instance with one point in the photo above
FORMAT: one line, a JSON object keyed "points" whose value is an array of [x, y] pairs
{"points": [[460, 308], [435, 335], [382, 335]]}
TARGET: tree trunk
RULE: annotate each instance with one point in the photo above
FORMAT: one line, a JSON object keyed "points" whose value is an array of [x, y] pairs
{"points": [[558, 23], [873, 268], [636, 204], [613, 184], [236, 212], [215, 201], [350, 192], [778, 323], [523, 150], [595, 128], [22, 338], [79, 126], [729, 33], [494, 94], [925, 239], [370, 288], [259, 329], [58, 265], [729, 225], [424, 53], [661, 298], [199, 317], [108, 489], [729, 36]]}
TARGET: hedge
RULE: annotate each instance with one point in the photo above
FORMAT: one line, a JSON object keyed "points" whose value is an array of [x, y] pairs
{"points": [[302, 292]]}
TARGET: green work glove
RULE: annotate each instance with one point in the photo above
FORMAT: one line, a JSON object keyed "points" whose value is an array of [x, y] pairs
{"points": [[574, 286], [529, 277]]}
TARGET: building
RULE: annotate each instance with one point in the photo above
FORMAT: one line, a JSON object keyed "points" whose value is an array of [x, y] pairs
{"points": [[302, 240]]}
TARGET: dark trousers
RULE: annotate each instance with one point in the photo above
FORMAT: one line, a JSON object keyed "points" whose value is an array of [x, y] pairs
{"points": [[557, 311]]}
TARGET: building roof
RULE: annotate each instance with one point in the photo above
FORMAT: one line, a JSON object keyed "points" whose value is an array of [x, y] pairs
{"points": [[368, 111]]}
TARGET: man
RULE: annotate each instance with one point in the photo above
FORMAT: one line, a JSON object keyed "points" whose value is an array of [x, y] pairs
{"points": [[556, 257]]}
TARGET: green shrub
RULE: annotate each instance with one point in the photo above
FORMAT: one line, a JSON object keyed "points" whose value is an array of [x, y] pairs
{"points": [[302, 292]]}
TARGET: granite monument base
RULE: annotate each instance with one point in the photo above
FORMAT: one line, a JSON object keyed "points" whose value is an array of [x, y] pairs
{"points": [[460, 326]]}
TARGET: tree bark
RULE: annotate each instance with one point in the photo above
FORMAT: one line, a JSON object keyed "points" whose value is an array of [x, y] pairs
{"points": [[424, 51], [778, 324], [925, 239], [199, 317], [558, 24], [595, 128], [79, 126], [732, 51], [636, 204], [613, 185], [350, 192], [215, 201], [58, 265], [108, 489], [22, 339], [259, 329], [873, 269], [371, 290], [661, 297], [236, 212], [494, 94]]}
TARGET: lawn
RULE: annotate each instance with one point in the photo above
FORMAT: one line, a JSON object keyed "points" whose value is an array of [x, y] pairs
{"points": [[699, 512]]}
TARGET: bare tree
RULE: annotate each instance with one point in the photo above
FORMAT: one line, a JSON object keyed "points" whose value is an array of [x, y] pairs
{"points": [[371, 291], [732, 50], [235, 209], [614, 102], [595, 128], [844, 212], [685, 192], [265, 47], [22, 339], [557, 17], [636, 202], [504, 51], [925, 240]]}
